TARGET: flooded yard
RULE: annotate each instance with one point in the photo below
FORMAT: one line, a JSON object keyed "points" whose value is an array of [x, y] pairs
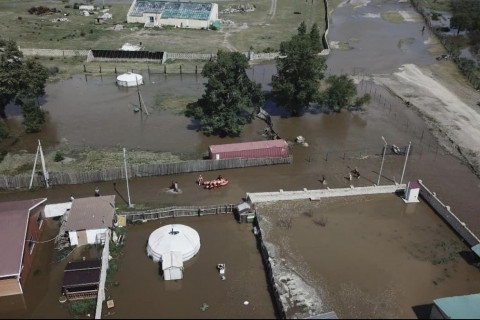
{"points": [[142, 292], [366, 257]]}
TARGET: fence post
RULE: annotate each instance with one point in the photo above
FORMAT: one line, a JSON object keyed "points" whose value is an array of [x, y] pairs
{"points": [[196, 70], [180, 69], [84, 68], [164, 69], [115, 69], [100, 68]]}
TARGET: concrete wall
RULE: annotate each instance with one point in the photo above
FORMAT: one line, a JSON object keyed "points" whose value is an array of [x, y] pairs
{"points": [[54, 52], [445, 212], [322, 193], [73, 238], [92, 234]]}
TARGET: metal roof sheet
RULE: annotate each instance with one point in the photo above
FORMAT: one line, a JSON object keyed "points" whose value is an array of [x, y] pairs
{"points": [[253, 145], [13, 227], [476, 249], [91, 213], [460, 307]]}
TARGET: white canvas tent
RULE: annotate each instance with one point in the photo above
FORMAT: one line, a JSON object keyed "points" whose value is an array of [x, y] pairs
{"points": [[129, 80], [172, 265], [173, 238]]}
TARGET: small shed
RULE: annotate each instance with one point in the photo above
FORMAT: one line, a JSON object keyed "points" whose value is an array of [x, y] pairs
{"points": [[459, 307], [247, 150], [81, 279], [411, 192], [89, 219], [172, 265], [242, 211]]}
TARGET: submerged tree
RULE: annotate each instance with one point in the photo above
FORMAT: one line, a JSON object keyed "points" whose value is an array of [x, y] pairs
{"points": [[21, 81], [299, 71], [229, 95], [341, 93]]}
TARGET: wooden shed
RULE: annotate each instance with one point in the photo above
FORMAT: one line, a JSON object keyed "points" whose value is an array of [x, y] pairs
{"points": [[247, 150], [81, 279]]}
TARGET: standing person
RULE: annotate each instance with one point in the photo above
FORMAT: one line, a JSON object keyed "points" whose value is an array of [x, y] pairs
{"points": [[175, 187], [200, 180], [97, 192], [71, 198]]}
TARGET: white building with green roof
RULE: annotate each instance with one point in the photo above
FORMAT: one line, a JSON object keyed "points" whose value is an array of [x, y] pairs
{"points": [[154, 13]]}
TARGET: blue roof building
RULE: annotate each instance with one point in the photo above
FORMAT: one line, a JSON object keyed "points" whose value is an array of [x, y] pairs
{"points": [[460, 307]]}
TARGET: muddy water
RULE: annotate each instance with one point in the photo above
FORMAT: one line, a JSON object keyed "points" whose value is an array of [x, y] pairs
{"points": [[375, 41], [142, 293], [376, 257]]}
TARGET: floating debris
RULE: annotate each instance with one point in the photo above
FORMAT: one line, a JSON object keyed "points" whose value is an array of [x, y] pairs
{"points": [[204, 306]]}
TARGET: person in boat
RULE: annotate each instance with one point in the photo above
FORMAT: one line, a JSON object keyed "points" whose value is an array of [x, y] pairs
{"points": [[175, 188], [200, 180], [219, 177]]}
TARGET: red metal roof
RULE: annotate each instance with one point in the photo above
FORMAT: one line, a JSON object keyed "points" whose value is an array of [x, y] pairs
{"points": [[13, 228], [414, 185], [253, 145]]}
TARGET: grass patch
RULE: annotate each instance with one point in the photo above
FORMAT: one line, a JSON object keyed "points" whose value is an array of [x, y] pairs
{"points": [[176, 104], [444, 253], [82, 307], [392, 16], [440, 5], [116, 251], [401, 42]]}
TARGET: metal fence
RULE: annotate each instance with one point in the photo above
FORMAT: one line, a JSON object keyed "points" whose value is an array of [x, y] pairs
{"points": [[139, 170]]}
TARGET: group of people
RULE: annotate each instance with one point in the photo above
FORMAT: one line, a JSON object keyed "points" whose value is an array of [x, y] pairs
{"points": [[174, 186], [212, 183]]}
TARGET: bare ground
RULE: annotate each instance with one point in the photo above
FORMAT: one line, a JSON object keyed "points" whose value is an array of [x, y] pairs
{"points": [[446, 102]]}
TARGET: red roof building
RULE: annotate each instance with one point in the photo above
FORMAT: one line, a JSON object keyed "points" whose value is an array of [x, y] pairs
{"points": [[246, 150], [20, 229]]}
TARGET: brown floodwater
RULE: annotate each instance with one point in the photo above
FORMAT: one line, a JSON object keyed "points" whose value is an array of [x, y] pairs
{"points": [[142, 292], [375, 257], [93, 111]]}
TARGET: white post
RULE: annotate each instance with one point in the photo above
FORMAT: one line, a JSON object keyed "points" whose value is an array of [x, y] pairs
{"points": [[34, 166], [126, 177], [383, 159], [45, 172], [406, 159]]}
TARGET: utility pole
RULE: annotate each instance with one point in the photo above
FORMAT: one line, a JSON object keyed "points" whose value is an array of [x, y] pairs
{"points": [[46, 176], [126, 177], [383, 159], [406, 159]]}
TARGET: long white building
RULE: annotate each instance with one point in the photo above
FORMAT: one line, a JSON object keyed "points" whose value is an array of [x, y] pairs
{"points": [[154, 13]]}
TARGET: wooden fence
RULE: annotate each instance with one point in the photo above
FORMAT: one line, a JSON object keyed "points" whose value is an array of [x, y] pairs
{"points": [[176, 212], [139, 170]]}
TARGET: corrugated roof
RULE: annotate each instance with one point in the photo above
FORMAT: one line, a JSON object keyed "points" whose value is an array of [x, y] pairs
{"points": [[13, 228], [91, 213], [83, 265], [253, 145], [177, 10], [460, 307]]}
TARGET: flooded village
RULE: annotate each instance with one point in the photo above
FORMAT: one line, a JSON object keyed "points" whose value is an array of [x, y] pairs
{"points": [[121, 206]]}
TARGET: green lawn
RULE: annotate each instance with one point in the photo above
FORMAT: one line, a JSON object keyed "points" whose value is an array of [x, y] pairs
{"points": [[272, 22]]}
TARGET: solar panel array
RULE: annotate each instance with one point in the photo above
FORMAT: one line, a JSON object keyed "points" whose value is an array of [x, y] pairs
{"points": [[118, 54], [173, 10]]}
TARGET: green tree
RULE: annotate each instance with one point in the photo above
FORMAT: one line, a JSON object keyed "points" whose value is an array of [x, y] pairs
{"points": [[229, 94], [341, 92], [302, 29], [315, 38], [299, 71], [21, 81]]}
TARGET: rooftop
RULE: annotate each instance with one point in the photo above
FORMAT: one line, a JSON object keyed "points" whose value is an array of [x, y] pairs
{"points": [[173, 10], [460, 307], [252, 145], [91, 213], [82, 273], [13, 228]]}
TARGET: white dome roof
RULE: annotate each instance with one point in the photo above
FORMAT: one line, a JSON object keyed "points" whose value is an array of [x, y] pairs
{"points": [[129, 79], [173, 237]]}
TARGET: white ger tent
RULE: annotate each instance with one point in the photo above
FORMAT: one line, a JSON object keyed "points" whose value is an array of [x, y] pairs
{"points": [[129, 80], [173, 238]]}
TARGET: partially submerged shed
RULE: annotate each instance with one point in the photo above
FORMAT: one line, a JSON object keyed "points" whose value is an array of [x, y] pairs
{"points": [[172, 265], [89, 219], [81, 279], [247, 150]]}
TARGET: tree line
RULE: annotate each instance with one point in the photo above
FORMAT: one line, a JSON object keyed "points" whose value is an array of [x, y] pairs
{"points": [[231, 99], [22, 81]]}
